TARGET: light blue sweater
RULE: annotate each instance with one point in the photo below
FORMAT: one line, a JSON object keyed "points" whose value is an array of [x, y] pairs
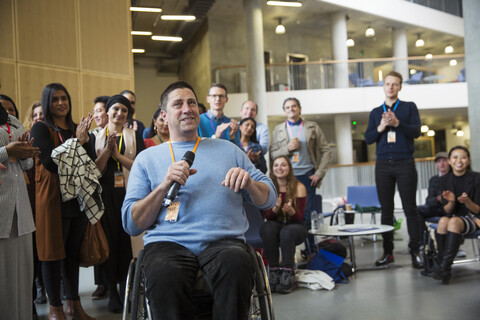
{"points": [[208, 211]]}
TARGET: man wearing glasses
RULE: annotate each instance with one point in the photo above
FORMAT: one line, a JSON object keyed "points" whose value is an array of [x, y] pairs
{"points": [[214, 124]]}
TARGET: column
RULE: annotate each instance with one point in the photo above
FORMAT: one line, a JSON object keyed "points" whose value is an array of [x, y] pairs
{"points": [[255, 63], [343, 138], [400, 50], [340, 49], [472, 65]]}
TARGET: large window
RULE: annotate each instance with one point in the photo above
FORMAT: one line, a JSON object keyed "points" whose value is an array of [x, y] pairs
{"points": [[449, 6]]}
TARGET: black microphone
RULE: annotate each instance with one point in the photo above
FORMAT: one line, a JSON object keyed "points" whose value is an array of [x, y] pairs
{"points": [[189, 156]]}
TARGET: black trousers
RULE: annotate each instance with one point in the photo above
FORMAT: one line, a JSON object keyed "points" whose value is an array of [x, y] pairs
{"points": [[171, 270], [403, 174]]}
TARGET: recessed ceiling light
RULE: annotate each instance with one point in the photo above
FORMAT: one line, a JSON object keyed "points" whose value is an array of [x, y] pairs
{"points": [[141, 33], [296, 4], [166, 38], [145, 9], [178, 17], [138, 50]]}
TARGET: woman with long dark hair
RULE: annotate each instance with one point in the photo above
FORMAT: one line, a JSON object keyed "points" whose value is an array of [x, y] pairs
{"points": [[158, 132], [284, 228], [249, 143], [115, 150], [461, 203], [60, 225]]}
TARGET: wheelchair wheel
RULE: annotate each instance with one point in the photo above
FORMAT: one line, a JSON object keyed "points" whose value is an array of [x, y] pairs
{"points": [[136, 304], [261, 306]]}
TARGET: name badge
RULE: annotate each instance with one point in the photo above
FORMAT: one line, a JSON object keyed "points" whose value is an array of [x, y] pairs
{"points": [[172, 211], [391, 137], [295, 157], [119, 179]]}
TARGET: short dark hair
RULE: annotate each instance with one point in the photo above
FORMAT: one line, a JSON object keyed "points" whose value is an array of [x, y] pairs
{"points": [[173, 86], [47, 100], [291, 99], [394, 74], [101, 99], [219, 85], [128, 91], [4, 97]]}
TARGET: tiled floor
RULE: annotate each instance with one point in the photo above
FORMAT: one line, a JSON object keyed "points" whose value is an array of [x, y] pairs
{"points": [[396, 293]]}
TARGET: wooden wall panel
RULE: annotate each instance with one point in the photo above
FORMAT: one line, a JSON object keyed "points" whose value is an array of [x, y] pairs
{"points": [[102, 25], [47, 32], [32, 80], [98, 85], [7, 35], [8, 80]]}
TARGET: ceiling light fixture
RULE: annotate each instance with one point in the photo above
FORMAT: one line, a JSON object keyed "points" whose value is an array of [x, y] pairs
{"points": [[428, 56], [280, 29], [453, 62], [460, 133], [424, 128], [419, 42], [350, 42], [140, 33], [370, 32], [296, 4], [413, 71], [145, 9], [138, 50], [166, 38], [448, 49], [430, 133], [178, 17]]}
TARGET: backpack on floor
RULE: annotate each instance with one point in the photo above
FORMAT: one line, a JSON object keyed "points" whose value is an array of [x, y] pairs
{"points": [[330, 263]]}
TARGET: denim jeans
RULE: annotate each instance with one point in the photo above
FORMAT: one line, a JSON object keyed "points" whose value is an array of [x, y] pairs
{"points": [[400, 172]]}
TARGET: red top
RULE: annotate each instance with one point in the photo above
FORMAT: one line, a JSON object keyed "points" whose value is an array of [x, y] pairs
{"points": [[281, 217], [149, 143]]}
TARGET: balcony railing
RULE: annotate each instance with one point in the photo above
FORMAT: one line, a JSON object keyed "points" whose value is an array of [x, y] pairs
{"points": [[361, 73]]}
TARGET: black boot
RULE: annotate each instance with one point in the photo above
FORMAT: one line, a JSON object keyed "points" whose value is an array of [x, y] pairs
{"points": [[452, 243], [440, 238], [41, 298]]}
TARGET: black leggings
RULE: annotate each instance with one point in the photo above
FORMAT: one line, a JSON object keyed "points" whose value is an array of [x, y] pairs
{"points": [[68, 268]]}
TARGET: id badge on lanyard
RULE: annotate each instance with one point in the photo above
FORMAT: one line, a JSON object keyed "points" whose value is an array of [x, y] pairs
{"points": [[119, 179]]}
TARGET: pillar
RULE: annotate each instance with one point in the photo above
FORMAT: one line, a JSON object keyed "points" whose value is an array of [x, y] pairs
{"points": [[471, 8], [400, 50], [256, 86], [340, 49]]}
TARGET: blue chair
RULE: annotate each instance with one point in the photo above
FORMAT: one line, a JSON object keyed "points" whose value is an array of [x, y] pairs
{"points": [[364, 197]]}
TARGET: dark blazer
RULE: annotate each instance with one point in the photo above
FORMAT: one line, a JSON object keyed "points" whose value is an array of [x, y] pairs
{"points": [[472, 188]]}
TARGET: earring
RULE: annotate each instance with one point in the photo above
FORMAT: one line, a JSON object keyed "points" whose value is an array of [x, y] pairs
{"points": [[155, 129]]}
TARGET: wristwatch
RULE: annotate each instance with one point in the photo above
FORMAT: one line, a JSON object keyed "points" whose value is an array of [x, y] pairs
{"points": [[213, 136]]}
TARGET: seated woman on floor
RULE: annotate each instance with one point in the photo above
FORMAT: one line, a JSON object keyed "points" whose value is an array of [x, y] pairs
{"points": [[284, 228], [461, 199]]}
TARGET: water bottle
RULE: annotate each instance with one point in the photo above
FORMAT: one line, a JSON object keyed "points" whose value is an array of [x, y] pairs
{"points": [[341, 217], [314, 220], [321, 222]]}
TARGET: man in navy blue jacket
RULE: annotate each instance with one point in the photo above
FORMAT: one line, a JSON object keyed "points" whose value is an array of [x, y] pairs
{"points": [[393, 126]]}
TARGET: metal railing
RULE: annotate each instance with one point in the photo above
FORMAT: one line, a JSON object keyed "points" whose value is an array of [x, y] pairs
{"points": [[361, 73], [339, 177]]}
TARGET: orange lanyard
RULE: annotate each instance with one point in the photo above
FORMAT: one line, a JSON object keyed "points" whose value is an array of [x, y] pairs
{"points": [[171, 150]]}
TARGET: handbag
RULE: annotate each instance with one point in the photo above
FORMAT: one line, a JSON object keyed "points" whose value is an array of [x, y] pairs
{"points": [[330, 263], [94, 249]]}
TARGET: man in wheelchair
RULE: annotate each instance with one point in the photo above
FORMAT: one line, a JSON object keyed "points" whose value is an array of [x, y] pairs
{"points": [[203, 228]]}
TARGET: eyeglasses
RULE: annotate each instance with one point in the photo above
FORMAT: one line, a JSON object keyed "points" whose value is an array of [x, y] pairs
{"points": [[219, 96]]}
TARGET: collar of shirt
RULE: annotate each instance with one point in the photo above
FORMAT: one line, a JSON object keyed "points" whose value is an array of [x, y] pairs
{"points": [[295, 123], [220, 119]]}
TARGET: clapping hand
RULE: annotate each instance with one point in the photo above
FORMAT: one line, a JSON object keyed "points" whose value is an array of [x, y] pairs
{"points": [[83, 127], [253, 156], [449, 196], [288, 208]]}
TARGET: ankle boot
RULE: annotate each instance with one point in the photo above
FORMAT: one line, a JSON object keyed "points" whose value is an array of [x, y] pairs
{"points": [[56, 313], [41, 298], [452, 243], [75, 310]]}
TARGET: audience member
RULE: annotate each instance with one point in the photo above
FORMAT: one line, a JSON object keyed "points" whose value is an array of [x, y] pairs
{"points": [[214, 123], [249, 144], [134, 124], [249, 109], [284, 228], [158, 131], [60, 225], [192, 233], [16, 220], [34, 114], [115, 150], [393, 126], [9, 105], [201, 108], [100, 113], [305, 145], [461, 203]]}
